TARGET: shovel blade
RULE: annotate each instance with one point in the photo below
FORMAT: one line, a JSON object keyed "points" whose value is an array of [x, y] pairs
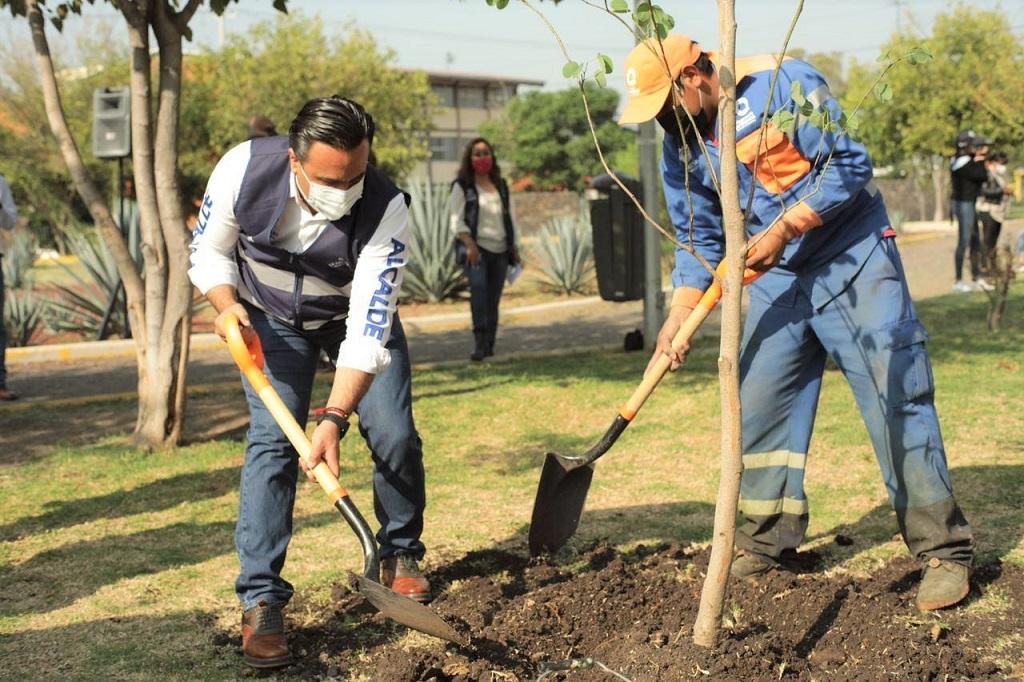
{"points": [[403, 610], [557, 509]]}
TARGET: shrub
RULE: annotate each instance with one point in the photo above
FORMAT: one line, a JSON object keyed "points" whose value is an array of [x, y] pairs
{"points": [[567, 255], [81, 308], [18, 260], [23, 315], [23, 310], [431, 274]]}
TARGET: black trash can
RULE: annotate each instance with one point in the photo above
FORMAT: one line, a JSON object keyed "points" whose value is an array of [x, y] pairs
{"points": [[618, 238]]}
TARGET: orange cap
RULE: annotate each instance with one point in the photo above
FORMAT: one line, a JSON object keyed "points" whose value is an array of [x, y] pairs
{"points": [[647, 81]]}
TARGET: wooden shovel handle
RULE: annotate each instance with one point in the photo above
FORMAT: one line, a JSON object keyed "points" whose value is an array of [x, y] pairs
{"points": [[249, 359], [686, 331]]}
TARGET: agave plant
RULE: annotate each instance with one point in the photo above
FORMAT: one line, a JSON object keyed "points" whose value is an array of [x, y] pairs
{"points": [[567, 250], [82, 307], [18, 259], [23, 315], [431, 274]]}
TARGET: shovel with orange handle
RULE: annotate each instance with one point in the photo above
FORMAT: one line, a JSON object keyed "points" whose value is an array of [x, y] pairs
{"points": [[565, 479], [249, 359]]}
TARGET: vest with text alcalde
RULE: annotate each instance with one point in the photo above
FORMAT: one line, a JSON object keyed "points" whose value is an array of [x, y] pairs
{"points": [[309, 289]]}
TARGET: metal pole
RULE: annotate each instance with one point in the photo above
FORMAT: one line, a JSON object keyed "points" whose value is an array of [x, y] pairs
{"points": [[654, 299]]}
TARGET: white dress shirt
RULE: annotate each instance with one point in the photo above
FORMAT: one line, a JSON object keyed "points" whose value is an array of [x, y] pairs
{"points": [[215, 244]]}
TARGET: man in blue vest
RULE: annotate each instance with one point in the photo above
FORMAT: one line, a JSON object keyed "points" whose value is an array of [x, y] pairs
{"points": [[833, 288], [306, 244]]}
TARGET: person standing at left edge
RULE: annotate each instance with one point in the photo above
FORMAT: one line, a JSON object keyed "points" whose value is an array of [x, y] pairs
{"points": [[306, 242]]}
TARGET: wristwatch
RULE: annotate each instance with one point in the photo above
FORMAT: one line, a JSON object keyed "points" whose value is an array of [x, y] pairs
{"points": [[335, 415]]}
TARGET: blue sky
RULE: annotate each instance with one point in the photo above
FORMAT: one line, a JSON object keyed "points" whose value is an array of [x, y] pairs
{"points": [[469, 36]]}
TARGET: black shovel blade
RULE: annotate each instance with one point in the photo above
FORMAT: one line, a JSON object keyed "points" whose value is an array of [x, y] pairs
{"points": [[557, 509], [403, 610]]}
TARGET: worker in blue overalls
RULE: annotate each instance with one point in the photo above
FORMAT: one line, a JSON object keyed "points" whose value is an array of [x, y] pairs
{"points": [[833, 287]]}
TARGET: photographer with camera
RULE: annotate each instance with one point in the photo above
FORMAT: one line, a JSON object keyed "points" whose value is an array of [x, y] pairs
{"points": [[968, 174]]}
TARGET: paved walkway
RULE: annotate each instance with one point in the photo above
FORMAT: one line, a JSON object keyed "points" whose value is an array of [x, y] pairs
{"points": [[569, 325]]}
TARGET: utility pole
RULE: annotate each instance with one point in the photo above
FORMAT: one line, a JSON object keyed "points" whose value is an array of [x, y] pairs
{"points": [[654, 300]]}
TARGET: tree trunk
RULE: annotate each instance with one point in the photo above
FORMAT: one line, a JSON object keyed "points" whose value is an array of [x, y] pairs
{"points": [[159, 307], [94, 200], [712, 596], [940, 176], [162, 383]]}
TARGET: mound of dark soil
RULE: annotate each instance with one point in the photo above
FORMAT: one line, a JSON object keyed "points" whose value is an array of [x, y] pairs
{"points": [[634, 613]]}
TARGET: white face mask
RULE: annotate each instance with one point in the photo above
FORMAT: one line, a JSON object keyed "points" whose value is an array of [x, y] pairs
{"points": [[330, 202]]}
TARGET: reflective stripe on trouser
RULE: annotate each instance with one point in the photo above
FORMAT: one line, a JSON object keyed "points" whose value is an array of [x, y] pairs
{"points": [[871, 331]]}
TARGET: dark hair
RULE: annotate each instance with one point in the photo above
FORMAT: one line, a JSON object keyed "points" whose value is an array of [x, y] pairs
{"points": [[335, 121], [704, 65], [261, 126], [466, 172], [999, 157]]}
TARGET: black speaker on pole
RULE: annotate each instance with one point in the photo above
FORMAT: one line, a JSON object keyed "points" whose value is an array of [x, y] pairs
{"points": [[111, 123]]}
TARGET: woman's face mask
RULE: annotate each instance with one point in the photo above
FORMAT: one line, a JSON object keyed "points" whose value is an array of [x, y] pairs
{"points": [[331, 202]]}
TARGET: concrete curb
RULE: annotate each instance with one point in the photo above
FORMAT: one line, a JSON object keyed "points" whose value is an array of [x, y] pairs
{"points": [[209, 342], [125, 348], [234, 385]]}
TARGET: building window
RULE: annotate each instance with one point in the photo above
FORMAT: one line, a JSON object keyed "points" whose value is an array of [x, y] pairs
{"points": [[445, 95], [498, 96], [471, 97], [444, 149]]}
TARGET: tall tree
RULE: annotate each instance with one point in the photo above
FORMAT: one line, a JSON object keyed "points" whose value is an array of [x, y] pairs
{"points": [[547, 136], [256, 74], [973, 82], [159, 304]]}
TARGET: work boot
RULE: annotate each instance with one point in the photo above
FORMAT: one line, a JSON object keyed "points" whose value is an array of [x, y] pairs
{"points": [[401, 574], [750, 565], [943, 583], [263, 642]]}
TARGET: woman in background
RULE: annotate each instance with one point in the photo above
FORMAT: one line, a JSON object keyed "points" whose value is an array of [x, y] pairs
{"points": [[481, 220]]}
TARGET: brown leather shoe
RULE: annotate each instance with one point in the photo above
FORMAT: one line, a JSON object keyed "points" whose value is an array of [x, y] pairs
{"points": [[263, 642], [402, 575], [5, 394]]}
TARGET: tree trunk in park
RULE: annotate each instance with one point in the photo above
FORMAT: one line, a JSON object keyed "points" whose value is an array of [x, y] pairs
{"points": [[1002, 272], [712, 596], [159, 306], [940, 176]]}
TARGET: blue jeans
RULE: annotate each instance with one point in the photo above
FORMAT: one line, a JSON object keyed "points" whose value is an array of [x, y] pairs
{"points": [[267, 495], [3, 331], [967, 222], [872, 333], [486, 281]]}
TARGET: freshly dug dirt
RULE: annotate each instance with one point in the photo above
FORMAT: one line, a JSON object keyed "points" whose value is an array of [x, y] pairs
{"points": [[634, 614]]}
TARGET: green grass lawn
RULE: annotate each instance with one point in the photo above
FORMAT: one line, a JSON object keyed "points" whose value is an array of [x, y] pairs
{"points": [[116, 564]]}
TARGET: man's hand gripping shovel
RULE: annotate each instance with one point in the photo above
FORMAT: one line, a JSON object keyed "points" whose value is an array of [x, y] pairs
{"points": [[565, 479], [249, 359]]}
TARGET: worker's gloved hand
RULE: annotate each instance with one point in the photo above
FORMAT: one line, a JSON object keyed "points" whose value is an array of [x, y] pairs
{"points": [[239, 311], [764, 250], [677, 314], [325, 448]]}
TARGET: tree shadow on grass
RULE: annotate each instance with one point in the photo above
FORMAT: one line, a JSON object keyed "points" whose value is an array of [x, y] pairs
{"points": [[55, 578], [989, 497], [959, 326], [118, 648], [158, 495]]}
